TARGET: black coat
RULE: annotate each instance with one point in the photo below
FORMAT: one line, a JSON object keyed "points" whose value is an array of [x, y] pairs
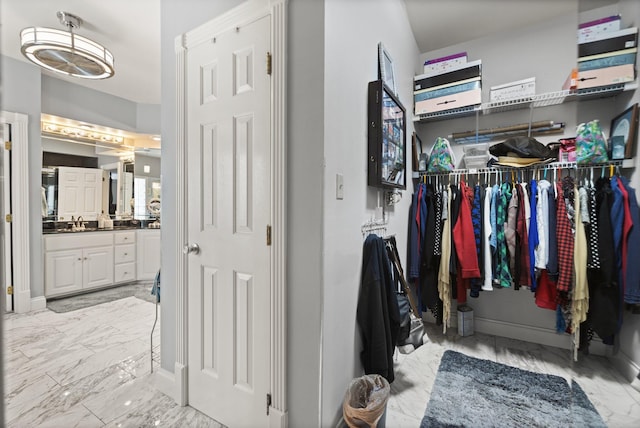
{"points": [[378, 316]]}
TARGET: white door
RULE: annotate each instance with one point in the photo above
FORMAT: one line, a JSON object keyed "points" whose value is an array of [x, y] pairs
{"points": [[79, 193], [229, 197], [6, 263]]}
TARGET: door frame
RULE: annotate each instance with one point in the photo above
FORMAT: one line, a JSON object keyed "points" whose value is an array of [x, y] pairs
{"points": [[21, 243], [246, 12]]}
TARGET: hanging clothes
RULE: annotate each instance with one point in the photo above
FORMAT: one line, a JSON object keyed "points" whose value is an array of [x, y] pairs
{"points": [[465, 243], [378, 316], [503, 276], [580, 297], [602, 317], [510, 227], [542, 217], [413, 256], [552, 263], [444, 284], [476, 221], [533, 232], [486, 238], [521, 276], [565, 243], [632, 274], [430, 262]]}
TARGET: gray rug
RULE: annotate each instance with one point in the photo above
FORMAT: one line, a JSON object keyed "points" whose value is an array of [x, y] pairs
{"points": [[140, 290], [469, 392]]}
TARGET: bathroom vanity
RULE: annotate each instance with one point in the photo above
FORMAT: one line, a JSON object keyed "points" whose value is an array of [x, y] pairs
{"points": [[79, 261]]}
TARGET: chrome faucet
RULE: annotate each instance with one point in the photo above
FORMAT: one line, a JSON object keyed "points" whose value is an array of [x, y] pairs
{"points": [[80, 223]]}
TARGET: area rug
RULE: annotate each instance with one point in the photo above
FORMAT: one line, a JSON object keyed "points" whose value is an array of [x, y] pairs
{"points": [[469, 392], [140, 290]]}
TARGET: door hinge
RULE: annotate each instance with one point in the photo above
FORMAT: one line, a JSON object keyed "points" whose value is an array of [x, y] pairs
{"points": [[268, 234], [268, 402], [7, 144], [269, 63], [10, 290], [8, 218]]}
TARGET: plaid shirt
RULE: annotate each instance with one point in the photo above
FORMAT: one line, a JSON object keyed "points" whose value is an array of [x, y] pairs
{"points": [[565, 244]]}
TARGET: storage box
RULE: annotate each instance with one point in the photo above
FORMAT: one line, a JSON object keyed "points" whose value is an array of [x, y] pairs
{"points": [[475, 162], [481, 149], [465, 321], [525, 88], [606, 76], [589, 30], [444, 63], [461, 99]]}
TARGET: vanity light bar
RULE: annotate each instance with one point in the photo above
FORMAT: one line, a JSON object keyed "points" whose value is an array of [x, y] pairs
{"points": [[82, 132]]}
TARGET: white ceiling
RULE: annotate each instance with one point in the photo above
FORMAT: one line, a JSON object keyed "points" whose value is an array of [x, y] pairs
{"points": [[131, 30]]}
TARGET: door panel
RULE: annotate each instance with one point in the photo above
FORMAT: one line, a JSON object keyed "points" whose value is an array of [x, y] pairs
{"points": [[229, 194]]}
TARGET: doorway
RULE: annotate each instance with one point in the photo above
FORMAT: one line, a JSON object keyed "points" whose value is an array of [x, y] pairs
{"points": [[241, 172]]}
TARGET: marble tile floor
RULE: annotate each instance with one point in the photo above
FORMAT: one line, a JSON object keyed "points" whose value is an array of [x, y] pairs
{"points": [[89, 367], [616, 401]]}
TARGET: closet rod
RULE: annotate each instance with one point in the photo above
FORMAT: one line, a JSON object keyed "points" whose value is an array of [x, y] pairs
{"points": [[551, 166]]}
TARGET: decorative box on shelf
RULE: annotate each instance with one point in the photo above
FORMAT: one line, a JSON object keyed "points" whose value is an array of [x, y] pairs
{"points": [[521, 89]]}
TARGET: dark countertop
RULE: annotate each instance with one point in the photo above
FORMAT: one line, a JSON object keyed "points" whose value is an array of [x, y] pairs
{"points": [[63, 227], [88, 229]]}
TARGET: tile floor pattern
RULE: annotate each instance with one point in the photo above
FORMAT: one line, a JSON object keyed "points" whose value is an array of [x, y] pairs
{"points": [[91, 368], [616, 401], [87, 368]]}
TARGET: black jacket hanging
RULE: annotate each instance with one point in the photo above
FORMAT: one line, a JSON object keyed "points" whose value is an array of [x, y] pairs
{"points": [[377, 315]]}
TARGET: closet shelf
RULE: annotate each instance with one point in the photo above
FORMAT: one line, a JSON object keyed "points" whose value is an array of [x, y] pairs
{"points": [[540, 100], [623, 163]]}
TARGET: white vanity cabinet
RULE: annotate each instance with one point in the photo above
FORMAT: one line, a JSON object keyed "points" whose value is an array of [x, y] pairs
{"points": [[124, 255], [148, 243], [78, 261]]}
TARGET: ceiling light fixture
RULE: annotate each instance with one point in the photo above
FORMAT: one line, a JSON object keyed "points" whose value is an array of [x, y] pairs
{"points": [[50, 129], [65, 52]]}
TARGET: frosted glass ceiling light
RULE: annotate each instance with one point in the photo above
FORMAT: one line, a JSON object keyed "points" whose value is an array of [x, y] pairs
{"points": [[65, 52]]}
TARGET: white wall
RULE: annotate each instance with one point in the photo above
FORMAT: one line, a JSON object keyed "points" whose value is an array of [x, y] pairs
{"points": [[21, 94], [305, 153], [352, 33]]}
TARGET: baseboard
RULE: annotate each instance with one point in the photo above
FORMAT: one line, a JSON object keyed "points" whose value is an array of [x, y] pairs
{"points": [[164, 381], [180, 394], [627, 368], [278, 419], [542, 336], [38, 303]]}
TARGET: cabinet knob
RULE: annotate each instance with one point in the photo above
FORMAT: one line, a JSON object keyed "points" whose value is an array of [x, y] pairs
{"points": [[86, 258], [80, 258]]}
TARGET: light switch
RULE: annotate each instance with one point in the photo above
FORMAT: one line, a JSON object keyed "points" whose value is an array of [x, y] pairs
{"points": [[339, 186]]}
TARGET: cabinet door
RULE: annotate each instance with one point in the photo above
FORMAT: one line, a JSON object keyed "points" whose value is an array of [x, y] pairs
{"points": [[148, 254], [63, 272], [98, 267]]}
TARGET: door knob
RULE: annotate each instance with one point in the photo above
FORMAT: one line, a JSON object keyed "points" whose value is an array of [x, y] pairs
{"points": [[191, 248]]}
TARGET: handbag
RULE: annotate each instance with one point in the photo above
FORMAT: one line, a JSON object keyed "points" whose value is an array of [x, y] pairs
{"points": [[441, 158], [591, 146], [411, 326], [567, 150]]}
